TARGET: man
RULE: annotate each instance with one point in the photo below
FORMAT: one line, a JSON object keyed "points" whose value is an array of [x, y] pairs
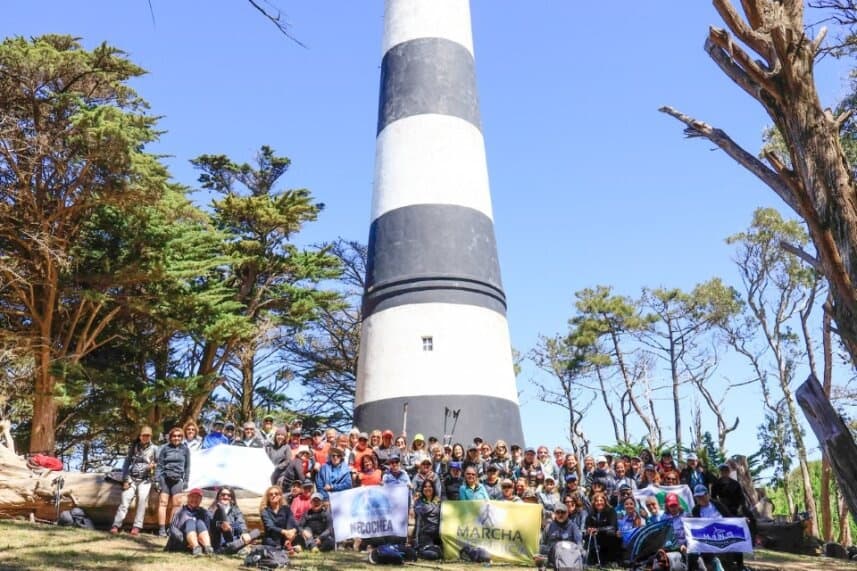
{"points": [[395, 476], [560, 535], [531, 469], [675, 514], [189, 527], [475, 460], [636, 469], [215, 436], [713, 509], [268, 430], [316, 526], [334, 476], [385, 449], [425, 474], [692, 475], [507, 488], [137, 472], [472, 489], [549, 497], [492, 482], [573, 489], [319, 448], [728, 491], [294, 440], [249, 439], [452, 482], [229, 431], [558, 458]]}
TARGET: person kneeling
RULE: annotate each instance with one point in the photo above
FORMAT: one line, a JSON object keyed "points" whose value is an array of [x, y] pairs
{"points": [[228, 529], [189, 527], [316, 526]]}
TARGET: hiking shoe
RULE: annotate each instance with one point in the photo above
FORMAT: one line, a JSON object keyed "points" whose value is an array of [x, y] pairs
{"points": [[197, 551], [162, 532], [115, 530], [135, 531], [209, 550]]}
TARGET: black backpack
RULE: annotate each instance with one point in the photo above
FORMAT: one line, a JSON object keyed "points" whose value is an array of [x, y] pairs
{"points": [[75, 517], [430, 552], [264, 557]]}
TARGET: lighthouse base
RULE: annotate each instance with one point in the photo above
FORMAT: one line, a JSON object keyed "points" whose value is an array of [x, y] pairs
{"points": [[490, 418]]}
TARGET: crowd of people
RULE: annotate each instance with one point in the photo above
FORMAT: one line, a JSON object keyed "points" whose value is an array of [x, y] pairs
{"points": [[590, 504]]}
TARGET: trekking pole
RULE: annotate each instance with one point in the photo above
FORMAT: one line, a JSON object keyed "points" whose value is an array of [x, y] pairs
{"points": [[445, 418], [58, 482], [455, 414]]}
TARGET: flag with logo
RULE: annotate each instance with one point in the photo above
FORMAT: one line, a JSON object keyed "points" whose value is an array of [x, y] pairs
{"points": [[685, 496], [501, 531], [370, 511], [720, 535]]}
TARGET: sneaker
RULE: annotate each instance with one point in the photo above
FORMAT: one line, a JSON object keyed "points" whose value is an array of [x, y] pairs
{"points": [[115, 530], [209, 550], [162, 532], [197, 551], [135, 531]]}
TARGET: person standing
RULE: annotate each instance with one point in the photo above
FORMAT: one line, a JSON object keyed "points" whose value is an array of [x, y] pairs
{"points": [[172, 473], [137, 471]]}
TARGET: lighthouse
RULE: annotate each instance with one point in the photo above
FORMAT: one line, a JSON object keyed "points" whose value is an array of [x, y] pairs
{"points": [[435, 354]]}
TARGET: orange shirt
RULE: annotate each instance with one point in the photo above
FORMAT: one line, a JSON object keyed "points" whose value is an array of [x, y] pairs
{"points": [[372, 478]]}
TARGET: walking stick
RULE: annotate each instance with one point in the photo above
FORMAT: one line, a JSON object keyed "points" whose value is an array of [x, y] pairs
{"points": [[405, 419], [454, 421]]}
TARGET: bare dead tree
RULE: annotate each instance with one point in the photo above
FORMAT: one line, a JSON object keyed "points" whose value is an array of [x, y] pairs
{"points": [[768, 54]]}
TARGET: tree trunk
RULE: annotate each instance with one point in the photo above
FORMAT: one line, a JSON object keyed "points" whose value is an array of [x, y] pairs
{"points": [[844, 522], [827, 355], [24, 492], [248, 358], [43, 434]]}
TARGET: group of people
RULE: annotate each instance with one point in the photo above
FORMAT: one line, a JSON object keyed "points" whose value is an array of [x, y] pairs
{"points": [[591, 504]]}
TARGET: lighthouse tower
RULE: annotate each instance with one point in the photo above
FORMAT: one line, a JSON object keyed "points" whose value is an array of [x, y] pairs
{"points": [[435, 335]]}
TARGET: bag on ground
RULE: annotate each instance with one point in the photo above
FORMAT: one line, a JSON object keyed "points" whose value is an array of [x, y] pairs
{"points": [[567, 556], [264, 557]]}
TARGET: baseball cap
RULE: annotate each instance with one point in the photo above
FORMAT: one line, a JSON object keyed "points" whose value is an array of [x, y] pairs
{"points": [[457, 466], [571, 477], [507, 483], [666, 454], [419, 436], [650, 467], [363, 436], [625, 486], [529, 450], [306, 484], [560, 507], [551, 478], [672, 500], [387, 432], [394, 458], [217, 422], [301, 449], [601, 459], [195, 491], [478, 440], [317, 432], [724, 466], [250, 424], [700, 490], [229, 425], [316, 496], [692, 456], [268, 417]]}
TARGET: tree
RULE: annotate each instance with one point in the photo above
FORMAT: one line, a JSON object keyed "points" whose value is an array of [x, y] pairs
{"points": [[768, 53], [568, 365], [323, 356], [681, 337], [779, 288], [72, 139], [276, 283]]}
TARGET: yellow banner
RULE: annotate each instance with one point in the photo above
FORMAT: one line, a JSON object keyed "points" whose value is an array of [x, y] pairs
{"points": [[502, 531]]}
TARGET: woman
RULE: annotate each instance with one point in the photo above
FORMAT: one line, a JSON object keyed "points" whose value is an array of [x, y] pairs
{"points": [[577, 511], [369, 474], [189, 527], [485, 450], [375, 439], [353, 436], [629, 522], [601, 529], [650, 477], [136, 480], [279, 526], [502, 458], [427, 512], [418, 450], [457, 454], [279, 450], [192, 439], [520, 487], [228, 529], [171, 475]]}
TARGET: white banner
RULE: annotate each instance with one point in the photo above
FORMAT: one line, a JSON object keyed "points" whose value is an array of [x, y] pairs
{"points": [[370, 511], [685, 496], [246, 468], [722, 535]]}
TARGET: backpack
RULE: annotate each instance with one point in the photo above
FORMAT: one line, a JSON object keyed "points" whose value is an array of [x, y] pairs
{"points": [[474, 554], [387, 555], [75, 517], [567, 556], [37, 461], [264, 557], [430, 552]]}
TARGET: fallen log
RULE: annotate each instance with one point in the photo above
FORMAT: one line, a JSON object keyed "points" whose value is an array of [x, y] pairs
{"points": [[26, 493]]}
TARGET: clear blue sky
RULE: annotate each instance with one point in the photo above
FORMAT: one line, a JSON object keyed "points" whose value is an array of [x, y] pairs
{"points": [[591, 185]]}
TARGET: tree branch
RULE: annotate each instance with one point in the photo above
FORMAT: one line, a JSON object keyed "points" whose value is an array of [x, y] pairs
{"points": [[276, 17]]}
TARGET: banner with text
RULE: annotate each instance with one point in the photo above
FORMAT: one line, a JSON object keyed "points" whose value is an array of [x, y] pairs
{"points": [[503, 531], [685, 496], [236, 466], [370, 511], [721, 535]]}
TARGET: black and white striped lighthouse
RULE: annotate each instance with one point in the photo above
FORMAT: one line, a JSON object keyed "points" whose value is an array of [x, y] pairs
{"points": [[435, 334]]}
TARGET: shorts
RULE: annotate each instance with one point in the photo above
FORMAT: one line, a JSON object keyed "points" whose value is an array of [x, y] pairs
{"points": [[172, 487]]}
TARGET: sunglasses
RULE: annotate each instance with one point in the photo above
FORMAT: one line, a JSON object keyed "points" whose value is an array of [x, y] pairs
{"points": [[225, 495], [274, 495]]}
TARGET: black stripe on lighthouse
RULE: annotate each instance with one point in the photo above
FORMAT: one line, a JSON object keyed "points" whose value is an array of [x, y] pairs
{"points": [[428, 75], [433, 253]]}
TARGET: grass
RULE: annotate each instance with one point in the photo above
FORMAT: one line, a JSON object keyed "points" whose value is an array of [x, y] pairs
{"points": [[25, 546]]}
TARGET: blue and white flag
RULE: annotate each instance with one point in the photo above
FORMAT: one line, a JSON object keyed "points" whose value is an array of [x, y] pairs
{"points": [[721, 535], [235, 466], [370, 511]]}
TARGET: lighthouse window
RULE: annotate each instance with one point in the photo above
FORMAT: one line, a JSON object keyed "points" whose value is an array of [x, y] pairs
{"points": [[428, 343]]}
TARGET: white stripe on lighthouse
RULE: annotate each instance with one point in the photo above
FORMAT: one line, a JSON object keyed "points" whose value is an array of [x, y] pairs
{"points": [[449, 19], [430, 159], [472, 353]]}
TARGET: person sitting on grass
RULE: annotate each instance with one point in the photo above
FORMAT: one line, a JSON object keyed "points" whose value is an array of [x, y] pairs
{"points": [[316, 526], [280, 527], [228, 529], [189, 527]]}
